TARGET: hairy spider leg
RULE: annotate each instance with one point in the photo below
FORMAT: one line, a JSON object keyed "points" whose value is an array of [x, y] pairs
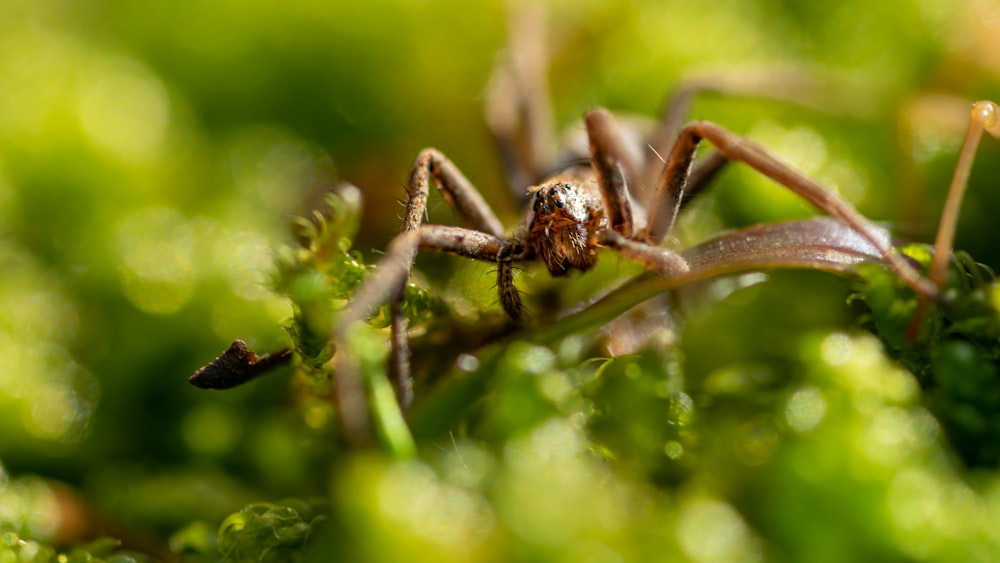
{"points": [[481, 240], [608, 159], [432, 167], [793, 84], [673, 179], [391, 274]]}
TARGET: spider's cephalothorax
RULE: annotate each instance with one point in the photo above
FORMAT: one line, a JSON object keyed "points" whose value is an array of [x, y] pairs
{"points": [[563, 225]]}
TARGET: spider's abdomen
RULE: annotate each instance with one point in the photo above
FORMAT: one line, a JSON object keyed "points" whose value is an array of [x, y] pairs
{"points": [[563, 227]]}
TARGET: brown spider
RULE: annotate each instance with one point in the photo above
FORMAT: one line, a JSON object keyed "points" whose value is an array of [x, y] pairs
{"points": [[599, 203], [586, 207], [583, 208]]}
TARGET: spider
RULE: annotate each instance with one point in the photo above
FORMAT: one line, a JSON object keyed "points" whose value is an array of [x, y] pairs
{"points": [[591, 205], [597, 202]]}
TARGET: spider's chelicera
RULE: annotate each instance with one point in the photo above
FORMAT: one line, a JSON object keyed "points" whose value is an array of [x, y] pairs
{"points": [[562, 231]]}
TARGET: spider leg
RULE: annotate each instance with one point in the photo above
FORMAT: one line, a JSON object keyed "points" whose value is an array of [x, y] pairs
{"points": [[702, 174], [430, 167], [656, 258], [510, 298], [673, 180], [617, 171], [400, 347], [461, 195], [792, 83], [433, 167], [518, 106], [613, 169], [390, 277], [815, 88], [393, 269]]}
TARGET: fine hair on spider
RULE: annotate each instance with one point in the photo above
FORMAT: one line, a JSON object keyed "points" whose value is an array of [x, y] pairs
{"points": [[600, 202]]}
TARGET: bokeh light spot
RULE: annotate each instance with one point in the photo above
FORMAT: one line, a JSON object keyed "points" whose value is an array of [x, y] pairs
{"points": [[539, 495], [861, 368], [31, 505], [35, 304], [272, 168], [53, 397], [673, 449], [156, 246], [846, 179], [468, 464], [36, 66], [154, 296], [681, 410], [800, 147], [806, 409], [930, 509], [836, 349], [124, 109], [317, 416], [467, 363], [555, 386], [246, 260], [439, 513], [536, 359], [52, 414], [711, 530], [894, 435]]}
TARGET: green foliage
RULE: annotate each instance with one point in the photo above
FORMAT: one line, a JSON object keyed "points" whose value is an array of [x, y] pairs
{"points": [[269, 532], [198, 538], [954, 350], [320, 272], [153, 155], [642, 419], [655, 457], [103, 550]]}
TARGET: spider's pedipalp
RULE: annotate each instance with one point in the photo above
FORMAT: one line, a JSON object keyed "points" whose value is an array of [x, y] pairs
{"points": [[510, 297]]}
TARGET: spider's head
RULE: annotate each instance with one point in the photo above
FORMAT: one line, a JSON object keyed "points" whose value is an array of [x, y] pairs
{"points": [[563, 223], [558, 203]]}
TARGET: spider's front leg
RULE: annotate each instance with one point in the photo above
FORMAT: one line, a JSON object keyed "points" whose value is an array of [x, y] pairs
{"points": [[480, 239], [818, 243], [608, 158], [674, 179]]}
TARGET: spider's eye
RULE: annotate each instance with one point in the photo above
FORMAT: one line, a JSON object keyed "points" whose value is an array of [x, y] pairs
{"points": [[552, 191], [559, 203]]}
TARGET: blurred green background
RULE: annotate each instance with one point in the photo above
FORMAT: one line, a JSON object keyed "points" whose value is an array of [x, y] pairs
{"points": [[153, 154]]}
